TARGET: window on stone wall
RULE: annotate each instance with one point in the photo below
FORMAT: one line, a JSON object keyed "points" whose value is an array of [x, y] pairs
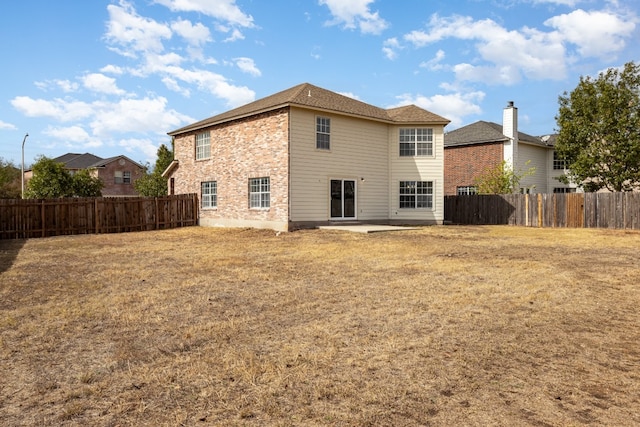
{"points": [[203, 146], [209, 194], [122, 177], [259, 193], [466, 190]]}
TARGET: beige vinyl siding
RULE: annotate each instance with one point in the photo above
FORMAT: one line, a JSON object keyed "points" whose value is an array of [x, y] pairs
{"points": [[417, 169], [538, 159], [358, 149]]}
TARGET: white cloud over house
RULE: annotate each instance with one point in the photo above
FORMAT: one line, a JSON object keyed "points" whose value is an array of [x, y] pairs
{"points": [[355, 14]]}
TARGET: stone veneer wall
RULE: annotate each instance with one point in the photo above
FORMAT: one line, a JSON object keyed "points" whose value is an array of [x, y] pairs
{"points": [[464, 164], [253, 147]]}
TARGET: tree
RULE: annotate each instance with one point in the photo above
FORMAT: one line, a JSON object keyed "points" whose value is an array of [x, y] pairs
{"points": [[51, 180], [501, 179], [599, 130], [86, 185], [152, 183], [10, 181]]}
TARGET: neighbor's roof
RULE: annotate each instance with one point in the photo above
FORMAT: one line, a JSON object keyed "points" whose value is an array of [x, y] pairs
{"points": [[482, 132], [309, 96], [105, 162], [87, 160], [77, 161]]}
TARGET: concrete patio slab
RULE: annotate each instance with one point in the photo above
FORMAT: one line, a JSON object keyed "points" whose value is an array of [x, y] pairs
{"points": [[365, 228]]}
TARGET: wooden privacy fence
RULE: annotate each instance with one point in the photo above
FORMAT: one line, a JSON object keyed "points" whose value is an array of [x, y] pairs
{"points": [[21, 219], [591, 210]]}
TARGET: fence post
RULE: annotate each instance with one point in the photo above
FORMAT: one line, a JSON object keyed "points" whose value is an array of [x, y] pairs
{"points": [[157, 214]]}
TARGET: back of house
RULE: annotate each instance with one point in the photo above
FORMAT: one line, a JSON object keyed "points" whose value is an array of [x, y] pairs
{"points": [[307, 156]]}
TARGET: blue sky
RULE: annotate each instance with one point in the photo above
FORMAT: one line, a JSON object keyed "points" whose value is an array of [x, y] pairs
{"points": [[113, 77]]}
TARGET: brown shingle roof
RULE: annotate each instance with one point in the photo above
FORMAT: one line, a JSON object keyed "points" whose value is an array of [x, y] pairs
{"points": [[309, 96]]}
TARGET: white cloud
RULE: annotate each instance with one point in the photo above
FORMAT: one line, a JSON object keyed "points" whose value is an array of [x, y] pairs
{"points": [[390, 47], [247, 65], [224, 10], [8, 126], [453, 106], [146, 146], [507, 54], [355, 14], [135, 115], [214, 83], [146, 115], [196, 34], [66, 86], [112, 69], [569, 3], [173, 85], [58, 109], [70, 134], [97, 82], [435, 63], [596, 33], [133, 32], [235, 35]]}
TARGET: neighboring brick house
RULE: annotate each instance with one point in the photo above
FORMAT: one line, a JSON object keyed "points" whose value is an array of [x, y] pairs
{"points": [[473, 149], [116, 173], [307, 156]]}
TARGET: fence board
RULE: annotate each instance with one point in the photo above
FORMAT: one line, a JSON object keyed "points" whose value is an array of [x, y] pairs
{"points": [[588, 210], [21, 219]]}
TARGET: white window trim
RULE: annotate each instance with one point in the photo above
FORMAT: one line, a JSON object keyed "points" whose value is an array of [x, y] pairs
{"points": [[211, 196], [203, 150], [430, 143], [320, 126], [261, 193], [415, 194]]}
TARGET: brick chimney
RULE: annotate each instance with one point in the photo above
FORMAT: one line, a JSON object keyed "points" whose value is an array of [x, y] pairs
{"points": [[510, 130]]}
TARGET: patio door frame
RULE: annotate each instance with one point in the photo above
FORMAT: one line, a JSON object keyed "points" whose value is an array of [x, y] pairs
{"points": [[347, 201]]}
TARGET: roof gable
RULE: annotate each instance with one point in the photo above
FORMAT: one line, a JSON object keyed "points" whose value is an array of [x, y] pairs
{"points": [[309, 96], [104, 162]]}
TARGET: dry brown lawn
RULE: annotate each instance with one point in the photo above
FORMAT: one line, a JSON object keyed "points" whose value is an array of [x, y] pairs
{"points": [[441, 326]]}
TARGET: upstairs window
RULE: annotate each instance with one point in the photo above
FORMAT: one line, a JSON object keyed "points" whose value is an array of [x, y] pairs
{"points": [[259, 193], [122, 177], [558, 162], [416, 142], [416, 194], [323, 133], [203, 146]]}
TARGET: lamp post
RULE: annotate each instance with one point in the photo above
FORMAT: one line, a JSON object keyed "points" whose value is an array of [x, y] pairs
{"points": [[23, 141]]}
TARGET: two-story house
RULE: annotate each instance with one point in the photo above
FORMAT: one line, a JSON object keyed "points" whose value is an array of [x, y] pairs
{"points": [[473, 149], [308, 156]]}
